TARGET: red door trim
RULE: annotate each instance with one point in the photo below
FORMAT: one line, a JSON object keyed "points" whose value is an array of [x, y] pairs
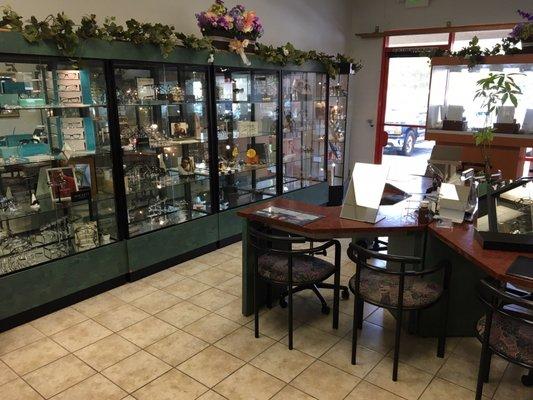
{"points": [[382, 103]]}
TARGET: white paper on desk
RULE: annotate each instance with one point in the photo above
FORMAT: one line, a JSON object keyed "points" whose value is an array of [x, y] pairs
{"points": [[453, 200]]}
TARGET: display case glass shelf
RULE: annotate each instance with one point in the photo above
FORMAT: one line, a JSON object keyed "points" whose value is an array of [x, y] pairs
{"points": [[56, 174], [162, 112], [451, 102], [338, 103], [304, 129], [247, 129]]}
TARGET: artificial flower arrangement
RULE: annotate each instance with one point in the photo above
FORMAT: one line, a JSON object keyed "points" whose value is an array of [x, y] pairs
{"points": [[234, 23], [524, 31]]}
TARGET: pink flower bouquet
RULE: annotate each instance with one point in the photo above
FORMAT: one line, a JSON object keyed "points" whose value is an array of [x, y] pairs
{"points": [[234, 23]]}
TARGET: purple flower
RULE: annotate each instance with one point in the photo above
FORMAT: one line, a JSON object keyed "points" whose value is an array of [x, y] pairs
{"points": [[527, 16], [240, 8], [221, 2], [235, 12]]}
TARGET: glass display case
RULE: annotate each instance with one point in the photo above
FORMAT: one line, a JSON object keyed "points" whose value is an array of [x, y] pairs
{"points": [[56, 174], [508, 225], [304, 129], [338, 107], [163, 123], [453, 85], [247, 131]]}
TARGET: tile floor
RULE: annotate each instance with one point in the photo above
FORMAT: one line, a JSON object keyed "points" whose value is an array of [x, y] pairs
{"points": [[179, 334]]}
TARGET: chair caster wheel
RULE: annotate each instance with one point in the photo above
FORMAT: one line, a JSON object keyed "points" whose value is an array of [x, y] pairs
{"points": [[283, 303], [345, 294], [325, 310], [527, 380]]}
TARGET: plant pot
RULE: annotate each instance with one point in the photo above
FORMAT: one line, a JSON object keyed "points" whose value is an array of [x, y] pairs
{"points": [[527, 45]]}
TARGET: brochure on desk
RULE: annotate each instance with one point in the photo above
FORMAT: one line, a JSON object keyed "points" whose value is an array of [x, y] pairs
{"points": [[290, 216]]}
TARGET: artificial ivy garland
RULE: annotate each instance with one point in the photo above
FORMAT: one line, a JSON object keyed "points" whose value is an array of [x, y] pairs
{"points": [[66, 35]]}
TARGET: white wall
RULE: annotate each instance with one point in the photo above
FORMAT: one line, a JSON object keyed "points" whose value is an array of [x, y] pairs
{"points": [[392, 14], [308, 24]]}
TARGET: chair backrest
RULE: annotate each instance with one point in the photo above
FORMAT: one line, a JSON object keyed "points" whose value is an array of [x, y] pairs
{"points": [[265, 242], [506, 304]]}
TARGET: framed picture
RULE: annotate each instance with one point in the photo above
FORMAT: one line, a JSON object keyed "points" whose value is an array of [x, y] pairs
{"points": [[62, 183], [178, 128], [85, 172]]}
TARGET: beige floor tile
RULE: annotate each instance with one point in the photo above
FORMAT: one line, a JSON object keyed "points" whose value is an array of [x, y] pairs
{"points": [[211, 328], [18, 337], [468, 348], [120, 318], [243, 344], [214, 258], [174, 385], [325, 323], [511, 387], [59, 375], [383, 318], [177, 348], [97, 387], [136, 371], [81, 335], [440, 389], [463, 372], [156, 302], [232, 286], [182, 314], [148, 331], [59, 320], [420, 353], [210, 366], [281, 362], [106, 352], [249, 383], [325, 382], [233, 311], [186, 288], [34, 356], [410, 384], [233, 266], [274, 324], [98, 304], [213, 276], [132, 291], [190, 268], [6, 374], [366, 391], [340, 356], [212, 299], [18, 390], [290, 393], [374, 337], [211, 395], [234, 249], [162, 279], [312, 341]]}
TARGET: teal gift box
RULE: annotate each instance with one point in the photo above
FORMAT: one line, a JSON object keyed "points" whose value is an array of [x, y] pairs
{"points": [[32, 102]]}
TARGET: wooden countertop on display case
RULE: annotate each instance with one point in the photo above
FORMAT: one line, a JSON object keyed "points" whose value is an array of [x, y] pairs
{"points": [[508, 151]]}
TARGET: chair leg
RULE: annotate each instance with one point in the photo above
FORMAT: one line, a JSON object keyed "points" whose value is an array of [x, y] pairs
{"points": [[336, 293], [486, 373], [290, 319], [360, 308], [397, 345], [442, 337], [484, 360], [325, 307], [354, 329], [256, 309]]}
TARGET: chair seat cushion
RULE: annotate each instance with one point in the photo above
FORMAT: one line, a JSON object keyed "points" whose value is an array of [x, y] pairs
{"points": [[383, 288], [305, 269], [510, 337]]}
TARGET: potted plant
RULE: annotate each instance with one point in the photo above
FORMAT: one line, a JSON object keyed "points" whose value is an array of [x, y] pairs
{"points": [[523, 31], [495, 91], [223, 25]]}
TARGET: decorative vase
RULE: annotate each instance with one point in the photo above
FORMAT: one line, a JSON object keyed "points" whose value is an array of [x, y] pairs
{"points": [[527, 45]]}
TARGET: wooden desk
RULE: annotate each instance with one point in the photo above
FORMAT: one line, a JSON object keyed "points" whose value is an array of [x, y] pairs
{"points": [[494, 262], [470, 262]]}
